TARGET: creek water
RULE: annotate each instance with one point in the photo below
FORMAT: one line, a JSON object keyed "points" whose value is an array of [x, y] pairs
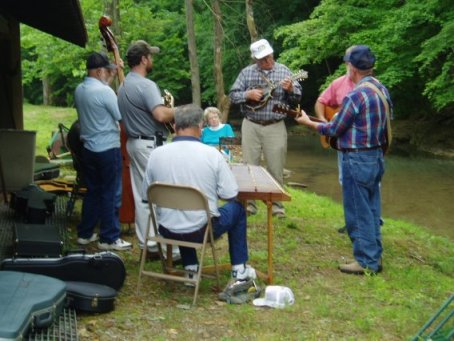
{"points": [[414, 188]]}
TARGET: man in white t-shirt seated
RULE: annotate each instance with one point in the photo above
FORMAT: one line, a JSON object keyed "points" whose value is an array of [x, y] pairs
{"points": [[187, 161]]}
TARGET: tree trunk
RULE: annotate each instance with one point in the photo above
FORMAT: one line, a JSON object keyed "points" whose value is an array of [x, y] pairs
{"points": [[195, 73], [223, 101], [112, 9], [47, 91], [250, 21]]}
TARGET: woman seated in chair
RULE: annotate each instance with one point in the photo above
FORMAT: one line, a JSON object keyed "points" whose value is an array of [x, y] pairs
{"points": [[215, 129]]}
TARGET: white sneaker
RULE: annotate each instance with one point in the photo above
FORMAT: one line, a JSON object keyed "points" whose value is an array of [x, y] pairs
{"points": [[118, 245], [247, 273], [278, 211], [85, 241], [191, 274]]}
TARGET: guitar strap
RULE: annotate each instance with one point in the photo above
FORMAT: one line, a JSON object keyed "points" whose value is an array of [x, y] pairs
{"points": [[388, 113], [265, 78]]}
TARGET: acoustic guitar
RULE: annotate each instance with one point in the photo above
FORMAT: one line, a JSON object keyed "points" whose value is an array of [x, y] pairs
{"points": [[168, 102], [285, 109], [329, 114], [127, 209], [269, 89]]}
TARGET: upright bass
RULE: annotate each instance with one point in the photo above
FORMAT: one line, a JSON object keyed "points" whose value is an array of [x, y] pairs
{"points": [[127, 210]]}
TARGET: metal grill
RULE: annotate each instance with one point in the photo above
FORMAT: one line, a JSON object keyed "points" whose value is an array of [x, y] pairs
{"points": [[6, 231], [64, 329]]}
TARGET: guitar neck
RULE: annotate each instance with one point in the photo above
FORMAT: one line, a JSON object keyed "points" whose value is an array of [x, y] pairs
{"points": [[285, 109]]}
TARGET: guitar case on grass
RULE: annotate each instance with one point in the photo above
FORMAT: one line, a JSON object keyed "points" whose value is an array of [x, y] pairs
{"points": [[28, 301], [105, 268], [90, 297]]}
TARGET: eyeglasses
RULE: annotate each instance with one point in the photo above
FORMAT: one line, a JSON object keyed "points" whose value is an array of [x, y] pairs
{"points": [[264, 59]]}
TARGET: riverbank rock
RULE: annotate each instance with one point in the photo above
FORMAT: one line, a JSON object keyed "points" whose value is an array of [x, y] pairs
{"points": [[430, 137]]}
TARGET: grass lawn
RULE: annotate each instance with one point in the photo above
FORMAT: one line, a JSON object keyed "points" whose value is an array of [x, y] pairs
{"points": [[394, 305]]}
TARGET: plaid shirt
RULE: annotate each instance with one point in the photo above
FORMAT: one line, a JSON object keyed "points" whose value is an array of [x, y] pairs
{"points": [[252, 77], [361, 122]]}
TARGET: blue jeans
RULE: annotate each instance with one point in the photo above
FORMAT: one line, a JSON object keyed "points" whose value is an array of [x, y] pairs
{"points": [[102, 172], [362, 173], [232, 220], [339, 165]]}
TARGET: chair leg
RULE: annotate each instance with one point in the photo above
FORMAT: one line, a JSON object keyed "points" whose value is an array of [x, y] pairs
{"points": [[143, 256], [169, 254], [199, 278], [216, 267]]}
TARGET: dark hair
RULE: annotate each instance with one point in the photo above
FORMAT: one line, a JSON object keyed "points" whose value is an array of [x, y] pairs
{"points": [[137, 50], [188, 116]]}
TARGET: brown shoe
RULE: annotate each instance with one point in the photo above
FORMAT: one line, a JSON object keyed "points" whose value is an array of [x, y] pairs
{"points": [[352, 268], [356, 269]]}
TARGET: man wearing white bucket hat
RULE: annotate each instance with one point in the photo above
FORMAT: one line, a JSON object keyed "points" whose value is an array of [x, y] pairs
{"points": [[257, 89]]}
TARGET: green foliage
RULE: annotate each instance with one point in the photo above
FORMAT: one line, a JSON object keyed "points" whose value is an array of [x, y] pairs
{"points": [[412, 41], [64, 64]]}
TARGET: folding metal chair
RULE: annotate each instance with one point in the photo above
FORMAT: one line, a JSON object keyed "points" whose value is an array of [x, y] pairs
{"points": [[179, 198]]}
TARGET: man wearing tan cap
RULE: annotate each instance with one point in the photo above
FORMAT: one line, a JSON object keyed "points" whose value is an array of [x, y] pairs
{"points": [[262, 129], [144, 117]]}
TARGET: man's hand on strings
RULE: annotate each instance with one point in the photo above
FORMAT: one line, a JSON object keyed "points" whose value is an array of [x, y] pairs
{"points": [[287, 84], [254, 95]]}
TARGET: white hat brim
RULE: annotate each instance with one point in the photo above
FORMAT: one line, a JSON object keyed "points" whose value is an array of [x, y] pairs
{"points": [[261, 302], [263, 53]]}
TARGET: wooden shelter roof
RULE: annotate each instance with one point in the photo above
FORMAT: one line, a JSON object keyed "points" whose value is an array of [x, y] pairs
{"points": [[60, 18]]}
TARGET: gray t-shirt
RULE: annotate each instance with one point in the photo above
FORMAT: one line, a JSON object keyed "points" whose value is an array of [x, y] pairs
{"points": [[137, 98]]}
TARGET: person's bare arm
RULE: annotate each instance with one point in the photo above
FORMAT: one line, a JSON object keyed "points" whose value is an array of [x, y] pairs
{"points": [[163, 114], [320, 111]]}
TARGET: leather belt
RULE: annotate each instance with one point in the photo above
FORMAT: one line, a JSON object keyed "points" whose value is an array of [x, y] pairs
{"points": [[263, 122], [356, 150], [141, 137]]}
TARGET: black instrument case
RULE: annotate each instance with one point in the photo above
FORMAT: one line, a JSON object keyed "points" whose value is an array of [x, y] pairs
{"points": [[37, 240], [90, 297], [105, 268]]}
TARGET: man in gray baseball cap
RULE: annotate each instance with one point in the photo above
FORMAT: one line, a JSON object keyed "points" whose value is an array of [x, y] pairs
{"points": [[144, 117]]}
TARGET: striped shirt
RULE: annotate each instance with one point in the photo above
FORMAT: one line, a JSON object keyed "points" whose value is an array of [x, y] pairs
{"points": [[361, 122], [253, 77]]}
